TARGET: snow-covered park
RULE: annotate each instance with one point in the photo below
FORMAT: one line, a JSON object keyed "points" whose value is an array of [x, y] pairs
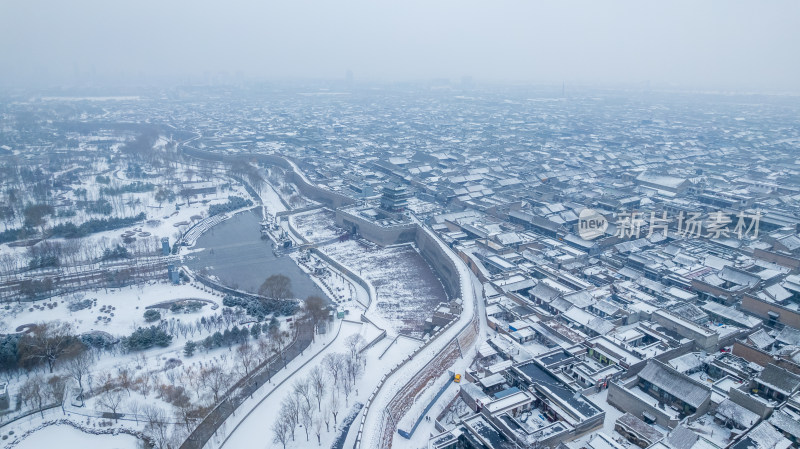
{"points": [[116, 311]]}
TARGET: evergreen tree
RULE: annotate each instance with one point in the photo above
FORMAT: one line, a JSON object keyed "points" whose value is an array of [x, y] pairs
{"points": [[189, 348], [255, 331]]}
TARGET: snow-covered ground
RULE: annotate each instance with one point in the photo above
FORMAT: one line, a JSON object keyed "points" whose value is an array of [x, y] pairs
{"points": [[407, 288], [122, 308], [317, 225], [67, 437], [262, 410], [149, 369]]}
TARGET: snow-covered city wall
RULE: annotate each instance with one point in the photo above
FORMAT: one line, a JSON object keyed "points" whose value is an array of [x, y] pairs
{"points": [[382, 235], [395, 393], [444, 266], [294, 174]]}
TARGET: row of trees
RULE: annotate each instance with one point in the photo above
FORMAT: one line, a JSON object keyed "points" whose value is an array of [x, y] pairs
{"points": [[54, 348], [70, 230], [73, 264], [36, 218], [317, 399], [33, 185], [234, 202], [71, 254]]}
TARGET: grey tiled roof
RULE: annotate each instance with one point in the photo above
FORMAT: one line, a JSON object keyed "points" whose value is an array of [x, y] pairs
{"points": [[673, 382], [779, 379], [785, 422]]}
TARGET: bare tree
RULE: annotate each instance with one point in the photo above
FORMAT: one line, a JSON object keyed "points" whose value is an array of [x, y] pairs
{"points": [[78, 368], [347, 388], [103, 381], [318, 385], [277, 338], [54, 389], [334, 405], [265, 351], [141, 360], [326, 416], [276, 286], [318, 429], [184, 412], [290, 408], [192, 378], [125, 378], [134, 407], [145, 381], [354, 343], [334, 363], [280, 429], [247, 357], [215, 379], [111, 400], [306, 416], [302, 389], [48, 342], [156, 426], [33, 391], [353, 369], [315, 311]]}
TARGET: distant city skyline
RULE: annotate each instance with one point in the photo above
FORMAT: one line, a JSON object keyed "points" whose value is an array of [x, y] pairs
{"points": [[719, 45]]}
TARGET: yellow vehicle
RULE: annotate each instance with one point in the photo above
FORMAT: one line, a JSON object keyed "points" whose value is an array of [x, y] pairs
{"points": [[457, 378]]}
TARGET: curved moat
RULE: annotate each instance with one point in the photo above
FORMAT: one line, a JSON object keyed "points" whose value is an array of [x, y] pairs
{"points": [[234, 253]]}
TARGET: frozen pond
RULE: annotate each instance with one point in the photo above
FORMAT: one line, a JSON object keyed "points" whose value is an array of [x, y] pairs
{"points": [[67, 437], [234, 252]]}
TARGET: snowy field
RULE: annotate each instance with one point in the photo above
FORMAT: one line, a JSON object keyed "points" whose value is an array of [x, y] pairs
{"points": [[316, 225], [67, 437], [407, 288], [117, 311]]}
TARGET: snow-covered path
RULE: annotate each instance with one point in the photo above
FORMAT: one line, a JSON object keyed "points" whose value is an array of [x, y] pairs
{"points": [[248, 414], [251, 427]]}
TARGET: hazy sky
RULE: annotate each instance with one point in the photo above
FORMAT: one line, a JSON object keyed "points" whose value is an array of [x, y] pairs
{"points": [[708, 44]]}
